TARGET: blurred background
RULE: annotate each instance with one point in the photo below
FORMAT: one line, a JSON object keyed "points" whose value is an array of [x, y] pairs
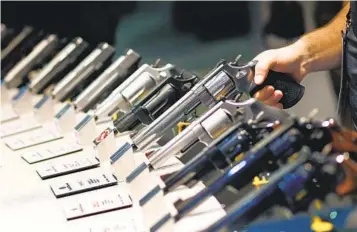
{"points": [[191, 35]]}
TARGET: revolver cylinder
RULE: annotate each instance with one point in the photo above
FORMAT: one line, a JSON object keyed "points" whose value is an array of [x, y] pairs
{"points": [[208, 92]]}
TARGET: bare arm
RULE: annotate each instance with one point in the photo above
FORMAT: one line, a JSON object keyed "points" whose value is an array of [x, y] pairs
{"points": [[321, 49], [315, 51]]}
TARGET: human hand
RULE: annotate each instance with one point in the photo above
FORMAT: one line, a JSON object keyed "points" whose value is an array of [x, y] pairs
{"points": [[285, 60]]}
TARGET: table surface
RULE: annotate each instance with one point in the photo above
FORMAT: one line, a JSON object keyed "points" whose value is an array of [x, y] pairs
{"points": [[28, 204]]}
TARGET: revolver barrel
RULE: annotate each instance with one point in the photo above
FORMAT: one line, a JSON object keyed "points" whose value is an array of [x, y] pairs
{"points": [[40, 52], [107, 81], [58, 65], [91, 65]]}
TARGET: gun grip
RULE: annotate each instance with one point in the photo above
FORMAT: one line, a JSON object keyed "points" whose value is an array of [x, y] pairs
{"points": [[292, 91]]}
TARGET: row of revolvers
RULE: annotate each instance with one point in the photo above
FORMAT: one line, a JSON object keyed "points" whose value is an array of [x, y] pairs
{"points": [[294, 161], [87, 75], [243, 138]]}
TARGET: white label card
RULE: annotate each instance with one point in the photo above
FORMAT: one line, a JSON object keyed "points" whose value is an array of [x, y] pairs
{"points": [[115, 227], [66, 167], [18, 126], [32, 139], [87, 207], [94, 181], [51, 152]]}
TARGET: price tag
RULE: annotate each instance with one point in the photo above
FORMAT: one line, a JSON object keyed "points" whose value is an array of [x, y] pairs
{"points": [[18, 126], [92, 182], [32, 139], [51, 152], [115, 227], [87, 207], [66, 167]]}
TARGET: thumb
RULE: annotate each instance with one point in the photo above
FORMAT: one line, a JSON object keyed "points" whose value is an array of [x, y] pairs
{"points": [[262, 69]]}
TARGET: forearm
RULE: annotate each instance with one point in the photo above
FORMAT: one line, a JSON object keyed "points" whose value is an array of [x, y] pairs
{"points": [[321, 49]]}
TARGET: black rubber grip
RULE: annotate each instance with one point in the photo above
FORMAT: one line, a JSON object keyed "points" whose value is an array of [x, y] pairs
{"points": [[292, 91]]}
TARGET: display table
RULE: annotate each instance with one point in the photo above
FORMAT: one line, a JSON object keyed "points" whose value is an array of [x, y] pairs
{"points": [[28, 204]]}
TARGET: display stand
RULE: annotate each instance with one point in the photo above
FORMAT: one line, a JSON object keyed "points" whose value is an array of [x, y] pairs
{"points": [[44, 109], [22, 101], [65, 119], [85, 130], [104, 145]]}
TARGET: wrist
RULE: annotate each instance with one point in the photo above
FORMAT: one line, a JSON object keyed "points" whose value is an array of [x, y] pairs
{"points": [[304, 58]]}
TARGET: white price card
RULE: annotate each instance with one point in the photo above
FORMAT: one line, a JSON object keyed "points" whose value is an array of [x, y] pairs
{"points": [[92, 206], [91, 182], [65, 167], [114, 227], [18, 126], [31, 139], [51, 152]]}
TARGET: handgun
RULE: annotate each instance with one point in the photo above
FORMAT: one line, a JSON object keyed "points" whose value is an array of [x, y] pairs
{"points": [[282, 185], [295, 185], [62, 63], [283, 142], [15, 77], [83, 73], [219, 154], [20, 46], [225, 81], [156, 102], [213, 123], [134, 89], [208, 127], [112, 77]]}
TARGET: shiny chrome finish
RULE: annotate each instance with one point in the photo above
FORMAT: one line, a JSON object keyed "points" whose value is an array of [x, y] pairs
{"points": [[83, 70], [116, 72], [201, 93], [134, 89], [204, 129], [40, 52], [65, 57]]}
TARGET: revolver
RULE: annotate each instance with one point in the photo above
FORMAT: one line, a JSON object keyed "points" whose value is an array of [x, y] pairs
{"points": [[83, 73], [213, 123], [290, 137], [61, 64], [220, 153], [280, 144], [222, 149], [225, 81], [19, 47], [134, 89], [113, 76], [295, 185], [156, 102], [39, 54]]}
